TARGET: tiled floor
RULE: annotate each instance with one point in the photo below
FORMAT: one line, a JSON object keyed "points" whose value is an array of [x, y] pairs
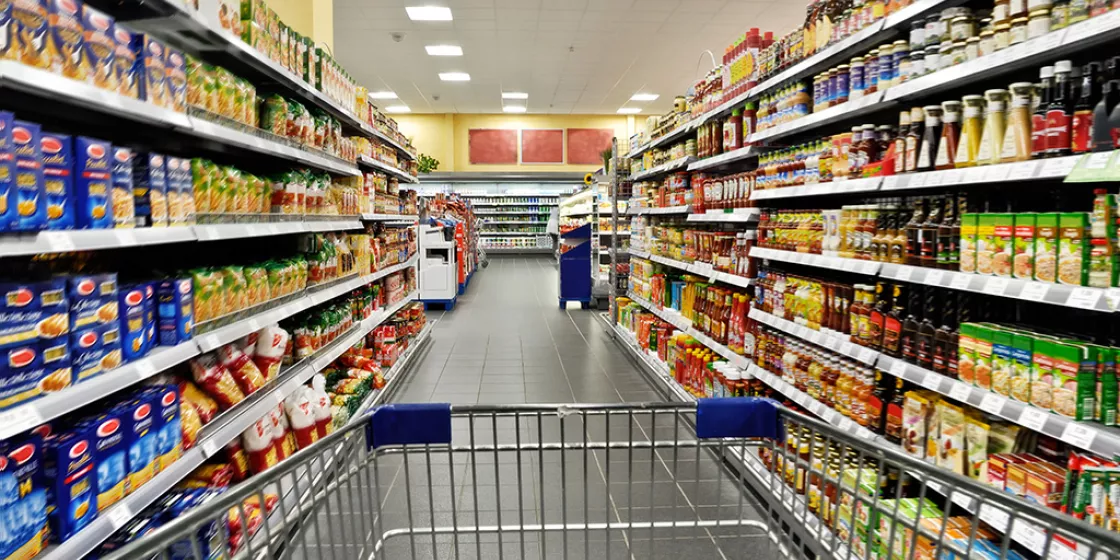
{"points": [[508, 342]]}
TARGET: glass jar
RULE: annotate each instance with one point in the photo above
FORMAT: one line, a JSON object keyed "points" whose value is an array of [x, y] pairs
{"points": [[987, 42], [903, 69], [1078, 11], [1033, 5], [1039, 23], [886, 60], [1017, 9], [995, 124], [1019, 31], [945, 55], [917, 35], [900, 49], [961, 28], [1059, 15], [932, 59], [917, 65], [857, 79], [950, 134], [1001, 10], [843, 84], [972, 126], [972, 48], [933, 30], [1003, 35], [1017, 137], [958, 53], [871, 71], [1099, 7]]}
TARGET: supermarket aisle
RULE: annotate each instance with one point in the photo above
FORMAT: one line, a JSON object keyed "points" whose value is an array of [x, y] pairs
{"points": [[507, 342]]}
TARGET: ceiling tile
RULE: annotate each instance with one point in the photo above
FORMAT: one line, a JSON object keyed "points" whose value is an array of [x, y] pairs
{"points": [[649, 16], [544, 25], [477, 25], [656, 4], [468, 14], [561, 15]]}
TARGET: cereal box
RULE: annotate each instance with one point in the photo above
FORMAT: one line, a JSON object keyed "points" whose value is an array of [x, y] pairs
{"points": [[7, 170], [69, 462], [58, 179], [132, 330], [99, 49], [139, 416], [149, 188], [65, 38], [176, 309], [124, 207], [92, 195], [110, 455], [176, 65], [169, 433], [1073, 248], [1046, 247], [31, 208], [124, 70], [31, 27], [150, 69]]}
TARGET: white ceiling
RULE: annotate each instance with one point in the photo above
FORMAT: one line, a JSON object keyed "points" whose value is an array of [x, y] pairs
{"points": [[571, 56]]}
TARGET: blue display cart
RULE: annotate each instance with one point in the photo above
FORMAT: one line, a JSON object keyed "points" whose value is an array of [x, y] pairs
{"points": [[575, 267]]}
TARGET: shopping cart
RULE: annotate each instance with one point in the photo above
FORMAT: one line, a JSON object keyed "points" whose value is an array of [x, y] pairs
{"points": [[611, 481]]}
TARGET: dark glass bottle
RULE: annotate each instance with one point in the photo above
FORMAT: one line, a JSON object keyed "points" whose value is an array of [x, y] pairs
{"points": [[1038, 118], [879, 315], [914, 138], [908, 346], [892, 323], [1060, 112], [913, 234], [929, 232], [893, 423], [1083, 110], [946, 243], [945, 338], [877, 404], [955, 232], [926, 330], [1102, 140]]}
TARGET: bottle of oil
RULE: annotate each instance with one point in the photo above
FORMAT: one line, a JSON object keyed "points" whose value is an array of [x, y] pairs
{"points": [[908, 347], [877, 404], [893, 423], [945, 338], [926, 330], [892, 323]]}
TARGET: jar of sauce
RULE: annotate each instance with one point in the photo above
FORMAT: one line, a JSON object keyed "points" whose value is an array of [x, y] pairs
{"points": [[1002, 35], [899, 50], [733, 131], [1001, 10], [1019, 31], [972, 48], [972, 126], [917, 35], [950, 133], [1017, 9], [933, 30], [932, 59], [843, 84], [871, 71], [1059, 15], [1078, 11], [987, 43], [995, 124], [1038, 24], [931, 138], [945, 55], [958, 53], [1017, 137], [917, 64], [858, 85], [961, 28]]}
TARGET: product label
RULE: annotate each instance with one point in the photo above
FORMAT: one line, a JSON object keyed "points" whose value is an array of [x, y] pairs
{"points": [[1057, 130], [1082, 131], [1038, 134]]}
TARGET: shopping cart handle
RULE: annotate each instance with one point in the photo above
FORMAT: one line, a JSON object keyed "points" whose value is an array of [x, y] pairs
{"points": [[409, 424], [743, 417]]}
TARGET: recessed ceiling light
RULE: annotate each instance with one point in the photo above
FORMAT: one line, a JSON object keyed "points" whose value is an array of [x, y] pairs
{"points": [[444, 50], [514, 95], [630, 110], [455, 76], [514, 109], [382, 95], [644, 97], [398, 109], [428, 13]]}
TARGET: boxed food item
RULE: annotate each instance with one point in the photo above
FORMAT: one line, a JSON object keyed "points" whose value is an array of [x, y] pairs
{"points": [[1045, 489], [1073, 248], [1023, 265], [7, 170], [132, 331], [175, 208], [86, 352], [110, 457], [976, 442], [951, 454], [915, 410], [1022, 349], [99, 48], [64, 39], [29, 40], [168, 427], [1108, 387], [149, 187], [33, 311], [93, 197], [1003, 243], [149, 307], [176, 310], [58, 179], [72, 488], [1074, 381], [31, 208], [139, 417], [92, 299], [151, 72], [1042, 373], [1002, 341], [124, 70], [176, 66], [1046, 247], [25, 367], [124, 208], [982, 342]]}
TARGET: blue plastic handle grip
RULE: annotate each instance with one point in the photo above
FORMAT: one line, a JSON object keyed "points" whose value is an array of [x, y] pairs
{"points": [[743, 417], [409, 424]]}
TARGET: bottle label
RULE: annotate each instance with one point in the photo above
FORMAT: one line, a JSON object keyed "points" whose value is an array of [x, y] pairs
{"points": [[1082, 131], [892, 329], [894, 422], [1012, 137], [1038, 134], [1057, 130], [943, 156], [964, 148]]}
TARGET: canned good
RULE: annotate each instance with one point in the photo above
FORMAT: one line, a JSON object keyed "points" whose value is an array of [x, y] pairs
{"points": [[1039, 23]]}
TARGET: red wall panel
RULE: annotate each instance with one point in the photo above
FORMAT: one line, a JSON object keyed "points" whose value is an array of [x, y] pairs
{"points": [[542, 145], [585, 145], [493, 146]]}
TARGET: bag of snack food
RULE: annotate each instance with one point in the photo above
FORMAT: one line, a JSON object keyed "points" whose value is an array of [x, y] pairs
{"points": [[243, 370], [189, 423], [204, 406], [238, 460], [213, 378]]}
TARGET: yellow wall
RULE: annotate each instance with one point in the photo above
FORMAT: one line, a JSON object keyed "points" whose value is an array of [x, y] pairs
{"points": [[311, 18], [446, 136]]}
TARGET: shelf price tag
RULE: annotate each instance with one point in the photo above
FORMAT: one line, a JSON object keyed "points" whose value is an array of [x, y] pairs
{"points": [[996, 286], [119, 515], [21, 418], [960, 391], [869, 267], [1022, 170], [996, 173], [1033, 418], [1034, 291], [1058, 167], [960, 281], [890, 182], [210, 448], [992, 403], [933, 277], [867, 355], [1084, 298], [917, 181], [847, 347], [903, 273], [931, 380], [1078, 435], [898, 368], [58, 241]]}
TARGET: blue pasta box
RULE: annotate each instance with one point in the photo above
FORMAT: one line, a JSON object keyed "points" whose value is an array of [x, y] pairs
{"points": [[151, 72], [72, 491], [7, 168], [177, 203], [31, 208], [133, 331], [176, 65], [23, 457], [124, 208], [169, 435], [33, 311], [65, 38], [7, 31], [124, 62], [98, 48], [22, 372], [93, 299], [111, 355], [149, 316], [29, 38], [58, 179], [139, 416], [86, 352], [110, 456], [175, 311], [24, 514], [149, 185], [92, 184]]}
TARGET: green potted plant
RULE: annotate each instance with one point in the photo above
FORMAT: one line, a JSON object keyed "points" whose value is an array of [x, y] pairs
{"points": [[427, 164]]}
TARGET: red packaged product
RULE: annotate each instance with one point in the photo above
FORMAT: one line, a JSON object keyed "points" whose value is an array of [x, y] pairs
{"points": [[238, 460], [216, 380], [205, 406], [244, 371], [259, 447], [361, 362]]}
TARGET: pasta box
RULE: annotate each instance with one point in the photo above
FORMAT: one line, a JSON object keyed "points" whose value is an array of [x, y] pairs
{"points": [[124, 208], [58, 179], [99, 48], [7, 32], [93, 299], [69, 465], [86, 351], [176, 65], [92, 183], [124, 71], [29, 36], [65, 39], [107, 438], [131, 300], [1045, 488], [175, 311], [169, 435], [149, 316], [151, 72], [31, 210], [24, 368], [7, 168], [30, 311], [111, 355], [139, 417], [23, 490], [22, 457], [149, 187]]}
